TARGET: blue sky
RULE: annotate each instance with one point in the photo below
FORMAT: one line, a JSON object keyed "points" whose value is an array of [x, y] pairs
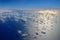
{"points": [[29, 3]]}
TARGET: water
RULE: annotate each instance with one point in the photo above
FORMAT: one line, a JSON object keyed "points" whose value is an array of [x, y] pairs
{"points": [[28, 25]]}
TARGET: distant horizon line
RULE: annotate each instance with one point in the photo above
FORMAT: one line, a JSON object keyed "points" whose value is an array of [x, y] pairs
{"points": [[33, 8]]}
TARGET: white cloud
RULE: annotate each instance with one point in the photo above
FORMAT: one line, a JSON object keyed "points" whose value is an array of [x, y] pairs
{"points": [[25, 34], [34, 16], [49, 11], [19, 31], [5, 10]]}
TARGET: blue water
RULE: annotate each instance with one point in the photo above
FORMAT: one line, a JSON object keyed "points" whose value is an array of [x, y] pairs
{"points": [[8, 29]]}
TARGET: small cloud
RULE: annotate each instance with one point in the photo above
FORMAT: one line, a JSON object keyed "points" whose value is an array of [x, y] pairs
{"points": [[19, 31], [25, 34]]}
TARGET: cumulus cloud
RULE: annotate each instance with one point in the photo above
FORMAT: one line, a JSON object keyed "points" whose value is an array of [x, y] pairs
{"points": [[5, 10], [36, 20], [49, 11], [24, 14]]}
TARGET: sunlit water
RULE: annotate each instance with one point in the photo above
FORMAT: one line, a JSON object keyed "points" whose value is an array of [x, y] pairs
{"points": [[29, 25]]}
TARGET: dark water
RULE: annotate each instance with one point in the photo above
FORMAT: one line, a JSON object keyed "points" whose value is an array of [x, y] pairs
{"points": [[8, 29]]}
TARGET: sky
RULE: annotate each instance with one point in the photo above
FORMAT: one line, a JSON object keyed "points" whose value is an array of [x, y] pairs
{"points": [[29, 3]]}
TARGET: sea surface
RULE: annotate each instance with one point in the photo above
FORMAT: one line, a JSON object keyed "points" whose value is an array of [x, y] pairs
{"points": [[28, 25]]}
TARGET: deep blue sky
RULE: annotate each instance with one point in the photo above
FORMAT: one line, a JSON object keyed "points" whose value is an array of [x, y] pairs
{"points": [[29, 3]]}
